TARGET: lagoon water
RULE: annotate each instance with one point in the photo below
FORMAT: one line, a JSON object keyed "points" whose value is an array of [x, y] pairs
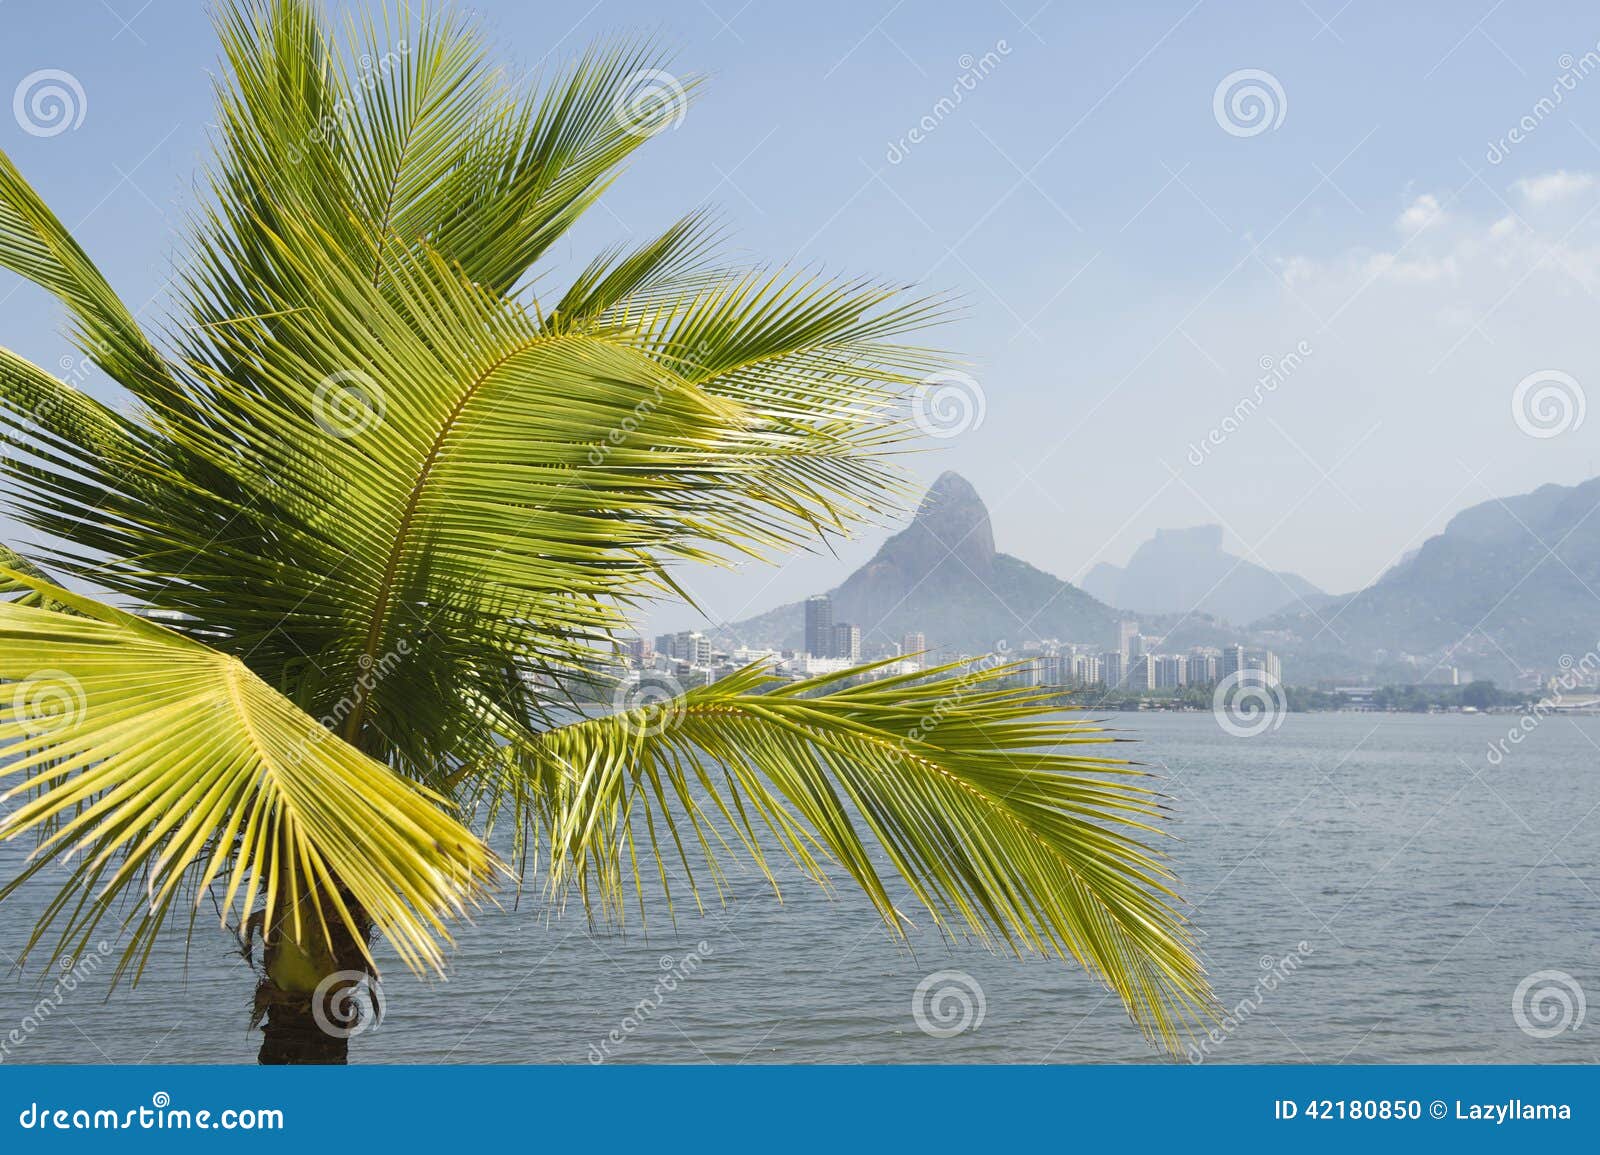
{"points": [[1425, 882]]}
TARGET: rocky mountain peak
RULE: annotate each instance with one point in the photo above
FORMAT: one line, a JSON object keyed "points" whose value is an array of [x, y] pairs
{"points": [[951, 523]]}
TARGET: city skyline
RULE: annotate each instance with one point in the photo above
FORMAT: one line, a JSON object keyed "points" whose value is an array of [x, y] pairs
{"points": [[1080, 199], [1134, 661]]}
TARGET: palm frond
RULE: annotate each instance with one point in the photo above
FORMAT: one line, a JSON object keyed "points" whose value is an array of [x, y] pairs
{"points": [[995, 811], [150, 766], [34, 244]]}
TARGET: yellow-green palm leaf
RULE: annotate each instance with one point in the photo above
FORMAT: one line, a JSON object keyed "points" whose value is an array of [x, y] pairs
{"points": [[394, 484], [1001, 815], [153, 767]]}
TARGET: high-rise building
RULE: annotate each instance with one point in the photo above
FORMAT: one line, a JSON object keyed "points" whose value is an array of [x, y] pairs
{"points": [[686, 646], [1111, 669], [1086, 669], [1138, 646], [819, 626], [1142, 673], [1126, 632], [846, 641], [913, 644], [1171, 672], [1267, 663], [1232, 661], [1202, 669]]}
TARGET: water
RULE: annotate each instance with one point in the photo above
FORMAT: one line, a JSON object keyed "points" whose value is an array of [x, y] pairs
{"points": [[1425, 883]]}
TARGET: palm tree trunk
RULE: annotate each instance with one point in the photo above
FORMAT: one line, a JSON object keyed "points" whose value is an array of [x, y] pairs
{"points": [[308, 1001]]}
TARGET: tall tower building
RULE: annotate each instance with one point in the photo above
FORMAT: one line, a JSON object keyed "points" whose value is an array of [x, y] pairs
{"points": [[1232, 661], [1086, 669], [1112, 666], [819, 626], [1126, 633], [1202, 669], [847, 642]]}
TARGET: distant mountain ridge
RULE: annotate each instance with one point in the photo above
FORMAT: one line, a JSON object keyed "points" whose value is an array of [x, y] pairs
{"points": [[1184, 570], [1511, 585], [941, 576], [1507, 589]]}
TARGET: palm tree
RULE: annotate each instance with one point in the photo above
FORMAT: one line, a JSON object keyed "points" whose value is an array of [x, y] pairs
{"points": [[379, 507]]}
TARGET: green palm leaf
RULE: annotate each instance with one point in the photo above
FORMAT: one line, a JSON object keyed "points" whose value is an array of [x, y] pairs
{"points": [[994, 809], [394, 486], [154, 766]]}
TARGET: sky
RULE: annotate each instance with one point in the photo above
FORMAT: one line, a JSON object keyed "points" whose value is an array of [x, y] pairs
{"points": [[1324, 274]]}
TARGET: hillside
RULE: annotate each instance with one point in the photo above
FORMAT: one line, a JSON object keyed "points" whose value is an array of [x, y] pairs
{"points": [[1510, 585], [1184, 570], [942, 577]]}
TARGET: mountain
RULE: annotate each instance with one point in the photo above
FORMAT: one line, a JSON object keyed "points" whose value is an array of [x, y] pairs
{"points": [[942, 577], [1184, 570], [1511, 585]]}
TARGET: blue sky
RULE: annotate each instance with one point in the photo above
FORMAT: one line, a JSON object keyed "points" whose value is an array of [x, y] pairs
{"points": [[1127, 264]]}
